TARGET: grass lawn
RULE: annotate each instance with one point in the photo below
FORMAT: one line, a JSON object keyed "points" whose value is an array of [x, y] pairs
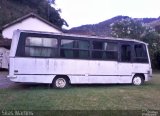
{"points": [[83, 97]]}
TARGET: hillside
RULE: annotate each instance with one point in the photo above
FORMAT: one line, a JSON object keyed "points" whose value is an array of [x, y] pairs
{"points": [[13, 9], [103, 28]]}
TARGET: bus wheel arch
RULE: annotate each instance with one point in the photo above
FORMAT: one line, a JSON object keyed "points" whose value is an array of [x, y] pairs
{"points": [[138, 79], [61, 81]]}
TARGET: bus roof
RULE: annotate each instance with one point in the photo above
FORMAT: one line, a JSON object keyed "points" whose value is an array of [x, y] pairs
{"points": [[82, 36]]}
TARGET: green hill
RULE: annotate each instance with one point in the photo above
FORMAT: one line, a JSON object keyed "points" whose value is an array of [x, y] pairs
{"points": [[103, 28]]}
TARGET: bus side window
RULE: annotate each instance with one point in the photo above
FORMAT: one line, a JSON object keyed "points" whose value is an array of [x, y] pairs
{"points": [[105, 50], [140, 50], [111, 51], [40, 47], [97, 50], [74, 49], [125, 53], [140, 53]]}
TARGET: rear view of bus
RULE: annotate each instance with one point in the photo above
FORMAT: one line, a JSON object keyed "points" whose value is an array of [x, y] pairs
{"points": [[63, 59]]}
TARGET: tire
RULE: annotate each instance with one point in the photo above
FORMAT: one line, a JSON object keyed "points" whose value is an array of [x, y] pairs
{"points": [[60, 83], [137, 80]]}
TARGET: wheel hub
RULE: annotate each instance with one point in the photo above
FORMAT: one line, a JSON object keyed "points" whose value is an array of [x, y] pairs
{"points": [[137, 81], [60, 83]]}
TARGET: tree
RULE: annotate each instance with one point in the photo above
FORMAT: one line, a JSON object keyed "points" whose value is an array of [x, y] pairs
{"points": [[127, 28], [153, 39], [157, 28], [134, 29], [13, 9]]}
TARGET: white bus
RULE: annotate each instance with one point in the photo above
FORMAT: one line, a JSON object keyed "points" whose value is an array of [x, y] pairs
{"points": [[62, 59]]}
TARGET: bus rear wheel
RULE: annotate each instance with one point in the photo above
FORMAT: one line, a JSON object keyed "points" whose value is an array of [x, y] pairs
{"points": [[137, 80], [60, 82]]}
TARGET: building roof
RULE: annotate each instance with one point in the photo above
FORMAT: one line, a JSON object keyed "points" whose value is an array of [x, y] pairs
{"points": [[30, 15]]}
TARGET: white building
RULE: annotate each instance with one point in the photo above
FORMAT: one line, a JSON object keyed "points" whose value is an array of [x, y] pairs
{"points": [[29, 22]]}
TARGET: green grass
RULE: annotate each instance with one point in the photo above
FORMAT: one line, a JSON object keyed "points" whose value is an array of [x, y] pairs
{"points": [[92, 97]]}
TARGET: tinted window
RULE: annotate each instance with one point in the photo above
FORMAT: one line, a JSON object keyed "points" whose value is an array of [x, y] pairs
{"points": [[74, 49], [42, 42], [40, 47], [81, 44], [105, 50], [125, 53], [67, 43], [112, 47], [140, 53], [98, 45], [66, 53]]}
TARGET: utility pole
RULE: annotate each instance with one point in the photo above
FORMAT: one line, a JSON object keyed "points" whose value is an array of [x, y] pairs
{"points": [[49, 4]]}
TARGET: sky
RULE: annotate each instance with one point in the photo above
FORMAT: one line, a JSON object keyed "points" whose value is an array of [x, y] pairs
{"points": [[81, 12]]}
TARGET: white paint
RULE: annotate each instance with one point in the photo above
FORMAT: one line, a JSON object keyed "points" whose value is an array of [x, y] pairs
{"points": [[43, 70], [14, 43], [31, 23], [4, 58]]}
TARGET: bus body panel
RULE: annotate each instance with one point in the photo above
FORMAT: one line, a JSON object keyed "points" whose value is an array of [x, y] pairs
{"points": [[47, 69], [33, 78], [77, 71], [140, 68], [125, 69]]}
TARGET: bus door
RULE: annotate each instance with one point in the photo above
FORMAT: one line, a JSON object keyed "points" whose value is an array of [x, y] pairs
{"points": [[103, 67], [125, 66]]}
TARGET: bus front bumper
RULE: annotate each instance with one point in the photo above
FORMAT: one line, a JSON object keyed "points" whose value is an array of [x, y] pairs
{"points": [[11, 77]]}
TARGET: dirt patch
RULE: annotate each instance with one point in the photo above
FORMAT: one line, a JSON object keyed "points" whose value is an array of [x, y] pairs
{"points": [[4, 81]]}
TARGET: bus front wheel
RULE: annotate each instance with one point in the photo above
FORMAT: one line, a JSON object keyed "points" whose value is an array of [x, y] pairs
{"points": [[60, 82], [137, 80]]}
